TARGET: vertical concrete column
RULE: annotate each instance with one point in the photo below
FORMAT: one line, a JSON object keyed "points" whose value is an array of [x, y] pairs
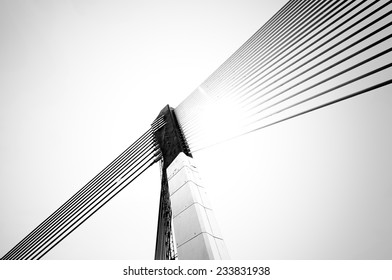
{"points": [[196, 231]]}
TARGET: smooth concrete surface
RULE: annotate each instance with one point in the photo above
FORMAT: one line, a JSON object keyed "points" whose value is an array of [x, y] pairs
{"points": [[196, 230]]}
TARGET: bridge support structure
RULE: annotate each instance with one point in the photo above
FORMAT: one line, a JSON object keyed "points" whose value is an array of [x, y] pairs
{"points": [[184, 205]]}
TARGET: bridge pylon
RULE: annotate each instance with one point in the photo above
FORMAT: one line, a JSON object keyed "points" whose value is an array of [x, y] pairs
{"points": [[187, 228]]}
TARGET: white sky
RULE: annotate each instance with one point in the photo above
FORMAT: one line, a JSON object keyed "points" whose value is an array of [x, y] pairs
{"points": [[81, 80]]}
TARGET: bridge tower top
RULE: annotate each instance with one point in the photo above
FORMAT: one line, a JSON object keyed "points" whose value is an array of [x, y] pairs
{"points": [[169, 137]]}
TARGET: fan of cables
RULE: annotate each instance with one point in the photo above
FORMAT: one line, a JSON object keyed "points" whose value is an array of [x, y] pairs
{"points": [[309, 55], [122, 171]]}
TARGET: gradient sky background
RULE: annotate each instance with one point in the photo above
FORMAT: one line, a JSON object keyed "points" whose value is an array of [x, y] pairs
{"points": [[81, 80]]}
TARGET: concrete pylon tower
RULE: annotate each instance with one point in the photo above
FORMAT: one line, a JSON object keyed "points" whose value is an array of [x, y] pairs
{"points": [[187, 228]]}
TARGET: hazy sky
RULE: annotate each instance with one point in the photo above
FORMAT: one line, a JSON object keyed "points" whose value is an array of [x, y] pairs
{"points": [[81, 80]]}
